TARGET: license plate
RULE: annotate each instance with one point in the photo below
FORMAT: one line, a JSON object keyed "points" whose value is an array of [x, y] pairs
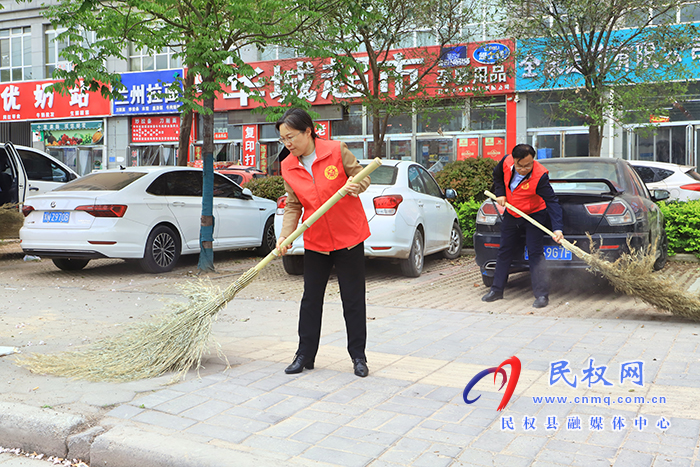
{"points": [[554, 253], [56, 216]]}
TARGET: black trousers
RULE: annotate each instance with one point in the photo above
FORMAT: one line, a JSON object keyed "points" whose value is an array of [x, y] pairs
{"points": [[350, 269], [512, 229]]}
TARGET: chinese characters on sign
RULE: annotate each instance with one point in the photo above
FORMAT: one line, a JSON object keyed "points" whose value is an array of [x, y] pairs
{"points": [[250, 139], [149, 92], [629, 371], [155, 129], [30, 100], [575, 423]]}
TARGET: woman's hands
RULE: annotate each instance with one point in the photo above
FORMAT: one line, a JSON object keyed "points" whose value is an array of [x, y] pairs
{"points": [[283, 251], [352, 188]]}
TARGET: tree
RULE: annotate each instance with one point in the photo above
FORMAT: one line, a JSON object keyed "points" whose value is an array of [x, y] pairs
{"points": [[616, 54], [362, 39], [209, 35]]}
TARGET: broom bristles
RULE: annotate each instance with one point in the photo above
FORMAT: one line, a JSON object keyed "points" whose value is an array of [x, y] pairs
{"points": [[172, 342]]}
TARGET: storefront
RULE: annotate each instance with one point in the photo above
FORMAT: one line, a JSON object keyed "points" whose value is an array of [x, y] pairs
{"points": [[459, 127], [151, 102], [69, 127]]}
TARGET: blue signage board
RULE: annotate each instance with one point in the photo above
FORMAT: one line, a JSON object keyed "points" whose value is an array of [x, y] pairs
{"points": [[149, 92], [634, 64]]}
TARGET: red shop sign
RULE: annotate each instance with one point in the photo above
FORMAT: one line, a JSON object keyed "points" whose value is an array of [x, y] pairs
{"points": [[29, 100], [155, 129]]}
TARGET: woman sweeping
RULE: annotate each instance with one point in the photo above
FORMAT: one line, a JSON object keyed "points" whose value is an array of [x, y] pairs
{"points": [[313, 172]]}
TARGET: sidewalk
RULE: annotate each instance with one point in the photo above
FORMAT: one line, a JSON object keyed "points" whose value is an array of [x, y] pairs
{"points": [[409, 411]]}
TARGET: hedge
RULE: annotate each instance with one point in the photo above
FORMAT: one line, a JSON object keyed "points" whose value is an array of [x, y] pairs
{"points": [[682, 226], [267, 187], [469, 178]]}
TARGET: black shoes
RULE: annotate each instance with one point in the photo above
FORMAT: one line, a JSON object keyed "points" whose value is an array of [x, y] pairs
{"points": [[492, 296], [300, 362], [541, 302], [360, 365]]}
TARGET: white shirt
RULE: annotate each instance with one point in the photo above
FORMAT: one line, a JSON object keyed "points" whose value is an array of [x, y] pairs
{"points": [[307, 161]]}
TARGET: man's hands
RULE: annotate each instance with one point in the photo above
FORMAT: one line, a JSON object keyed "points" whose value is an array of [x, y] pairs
{"points": [[558, 236], [501, 200]]}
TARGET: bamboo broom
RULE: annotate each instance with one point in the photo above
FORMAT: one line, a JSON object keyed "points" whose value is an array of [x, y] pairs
{"points": [[631, 274], [174, 341]]}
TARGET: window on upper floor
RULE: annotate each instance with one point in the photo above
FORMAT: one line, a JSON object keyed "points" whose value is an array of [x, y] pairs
{"points": [[148, 60], [15, 54], [53, 47]]}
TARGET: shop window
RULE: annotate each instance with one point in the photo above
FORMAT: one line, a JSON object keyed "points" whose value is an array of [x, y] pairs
{"points": [[397, 124], [276, 52], [433, 154], [487, 114], [268, 132], [15, 54], [400, 150], [576, 145], [545, 110], [666, 144], [449, 117], [148, 60], [350, 125]]}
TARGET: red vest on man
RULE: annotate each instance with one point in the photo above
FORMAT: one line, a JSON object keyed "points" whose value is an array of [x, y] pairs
{"points": [[524, 196], [345, 224]]}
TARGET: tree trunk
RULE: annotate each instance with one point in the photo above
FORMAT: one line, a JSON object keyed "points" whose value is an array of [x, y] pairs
{"points": [[185, 127], [206, 232], [595, 140], [378, 143]]}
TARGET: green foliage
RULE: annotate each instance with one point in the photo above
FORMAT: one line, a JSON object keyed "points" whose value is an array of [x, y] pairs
{"points": [[466, 212], [682, 226], [469, 178], [267, 187]]}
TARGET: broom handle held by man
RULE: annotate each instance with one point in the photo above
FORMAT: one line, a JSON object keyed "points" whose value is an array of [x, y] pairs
{"points": [[319, 212], [565, 243]]}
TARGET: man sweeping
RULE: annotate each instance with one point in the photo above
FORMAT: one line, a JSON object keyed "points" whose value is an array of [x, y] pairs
{"points": [[524, 183]]}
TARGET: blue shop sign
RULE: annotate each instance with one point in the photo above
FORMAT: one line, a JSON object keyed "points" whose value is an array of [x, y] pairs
{"points": [[149, 92], [536, 71], [490, 54]]}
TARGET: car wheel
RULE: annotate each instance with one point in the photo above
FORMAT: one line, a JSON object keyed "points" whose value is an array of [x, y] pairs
{"points": [[70, 264], [269, 241], [663, 253], [454, 249], [413, 265], [162, 251], [293, 265]]}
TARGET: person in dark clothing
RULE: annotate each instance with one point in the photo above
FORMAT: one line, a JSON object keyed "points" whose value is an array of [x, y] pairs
{"points": [[524, 183]]}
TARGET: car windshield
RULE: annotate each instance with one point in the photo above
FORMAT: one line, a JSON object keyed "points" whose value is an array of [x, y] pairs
{"points": [[109, 181], [383, 175], [581, 170]]}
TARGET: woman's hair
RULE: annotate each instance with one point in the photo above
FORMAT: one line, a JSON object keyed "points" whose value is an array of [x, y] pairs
{"points": [[297, 119]]}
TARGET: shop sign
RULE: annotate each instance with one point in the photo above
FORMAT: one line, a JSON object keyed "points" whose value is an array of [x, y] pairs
{"points": [[69, 133], [659, 118], [316, 83], [494, 148], [323, 129], [250, 139], [536, 71], [220, 133], [263, 157], [155, 129], [467, 148], [149, 92], [31, 100]]}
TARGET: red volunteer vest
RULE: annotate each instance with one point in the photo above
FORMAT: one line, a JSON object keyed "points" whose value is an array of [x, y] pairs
{"points": [[524, 196], [345, 224]]}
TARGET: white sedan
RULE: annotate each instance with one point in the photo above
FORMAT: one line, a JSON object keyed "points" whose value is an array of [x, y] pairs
{"points": [[409, 217], [681, 181], [151, 214]]}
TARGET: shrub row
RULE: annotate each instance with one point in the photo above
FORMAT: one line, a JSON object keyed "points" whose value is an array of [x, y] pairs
{"points": [[682, 226]]}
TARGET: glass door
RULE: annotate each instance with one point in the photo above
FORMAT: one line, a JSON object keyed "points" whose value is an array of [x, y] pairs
{"points": [[433, 154]]}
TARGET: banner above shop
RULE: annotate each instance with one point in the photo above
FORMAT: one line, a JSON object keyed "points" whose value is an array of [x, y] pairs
{"points": [[489, 66], [642, 60], [30, 100], [155, 129], [69, 133], [149, 92]]}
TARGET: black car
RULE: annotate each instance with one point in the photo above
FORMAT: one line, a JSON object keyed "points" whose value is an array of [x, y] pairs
{"points": [[602, 197]]}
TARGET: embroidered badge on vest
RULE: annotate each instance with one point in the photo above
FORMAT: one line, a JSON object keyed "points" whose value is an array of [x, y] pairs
{"points": [[331, 172], [525, 185]]}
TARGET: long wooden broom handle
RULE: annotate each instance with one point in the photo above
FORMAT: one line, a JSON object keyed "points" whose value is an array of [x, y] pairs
{"points": [[564, 242], [371, 167]]}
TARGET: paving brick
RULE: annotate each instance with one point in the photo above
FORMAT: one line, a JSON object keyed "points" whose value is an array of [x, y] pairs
{"points": [[151, 400], [265, 400], [664, 461], [628, 458], [372, 419], [180, 404], [511, 461], [475, 456], [344, 396], [218, 432], [372, 436], [209, 409], [286, 447], [286, 428], [526, 446], [332, 456], [315, 432], [124, 411], [164, 420], [400, 424], [354, 446]]}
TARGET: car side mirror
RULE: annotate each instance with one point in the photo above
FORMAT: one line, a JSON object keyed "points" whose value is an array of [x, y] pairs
{"points": [[660, 195], [450, 193], [247, 193], [72, 176]]}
